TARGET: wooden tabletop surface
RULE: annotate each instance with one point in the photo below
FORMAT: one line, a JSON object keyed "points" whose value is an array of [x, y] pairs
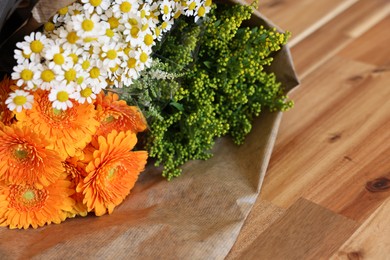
{"points": [[326, 193]]}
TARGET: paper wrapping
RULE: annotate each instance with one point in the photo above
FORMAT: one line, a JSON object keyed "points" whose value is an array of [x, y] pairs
{"points": [[195, 216]]}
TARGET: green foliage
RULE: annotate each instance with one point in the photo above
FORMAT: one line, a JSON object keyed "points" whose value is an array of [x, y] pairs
{"points": [[218, 86]]}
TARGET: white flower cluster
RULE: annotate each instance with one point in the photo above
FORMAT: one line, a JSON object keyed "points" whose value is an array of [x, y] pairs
{"points": [[92, 45]]}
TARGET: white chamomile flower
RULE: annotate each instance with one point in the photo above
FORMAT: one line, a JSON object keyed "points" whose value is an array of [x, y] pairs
{"points": [[70, 74], [84, 94], [60, 97], [166, 9], [167, 25], [191, 6], [67, 38], [97, 76], [19, 100], [57, 58], [48, 78], [34, 45], [20, 56], [75, 9], [98, 6], [88, 26], [124, 8], [202, 10], [59, 17], [26, 74], [111, 54], [116, 23], [109, 37]]}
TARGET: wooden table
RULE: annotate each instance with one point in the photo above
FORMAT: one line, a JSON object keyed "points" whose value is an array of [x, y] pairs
{"points": [[327, 190]]}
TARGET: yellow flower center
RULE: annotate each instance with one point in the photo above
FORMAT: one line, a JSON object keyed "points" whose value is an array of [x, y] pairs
{"points": [[201, 11], [63, 11], [72, 37], [86, 64], [145, 27], [208, 2], [74, 57], [131, 63], [125, 7], [157, 31], [111, 173], [164, 25], [148, 39], [21, 152], [177, 14], [90, 39], [58, 59], [20, 100], [95, 2], [47, 75], [36, 46], [29, 195], [192, 6], [94, 73], [109, 119], [70, 75], [127, 50], [133, 21], [111, 54], [166, 9], [26, 74], [114, 22], [134, 31], [62, 96], [87, 25], [143, 57], [26, 56], [49, 26], [57, 112], [80, 80], [115, 68], [110, 33], [86, 92], [143, 13]]}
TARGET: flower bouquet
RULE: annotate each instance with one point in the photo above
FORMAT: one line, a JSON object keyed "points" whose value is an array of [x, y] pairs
{"points": [[105, 84]]}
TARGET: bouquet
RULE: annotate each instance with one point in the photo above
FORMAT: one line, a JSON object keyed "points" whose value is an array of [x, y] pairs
{"points": [[105, 84]]}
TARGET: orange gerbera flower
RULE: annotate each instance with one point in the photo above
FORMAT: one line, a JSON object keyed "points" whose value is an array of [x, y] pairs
{"points": [[115, 114], [23, 206], [6, 115], [112, 172], [25, 160], [76, 175], [71, 130]]}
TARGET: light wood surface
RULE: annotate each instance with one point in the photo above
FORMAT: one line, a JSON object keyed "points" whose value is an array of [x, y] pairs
{"points": [[327, 190]]}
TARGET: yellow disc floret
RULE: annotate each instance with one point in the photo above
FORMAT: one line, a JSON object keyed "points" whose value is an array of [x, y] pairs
{"points": [[62, 96], [87, 25]]}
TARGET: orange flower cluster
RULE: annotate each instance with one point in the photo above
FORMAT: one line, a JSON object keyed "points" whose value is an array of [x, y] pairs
{"points": [[56, 164]]}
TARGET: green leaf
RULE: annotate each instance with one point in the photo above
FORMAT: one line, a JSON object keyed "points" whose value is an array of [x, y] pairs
{"points": [[177, 106]]}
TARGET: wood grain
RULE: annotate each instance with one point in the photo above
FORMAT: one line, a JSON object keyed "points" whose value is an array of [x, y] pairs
{"points": [[371, 240], [305, 231], [330, 168], [328, 40]]}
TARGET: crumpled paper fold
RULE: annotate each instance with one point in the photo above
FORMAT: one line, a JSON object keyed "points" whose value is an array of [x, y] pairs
{"points": [[196, 216]]}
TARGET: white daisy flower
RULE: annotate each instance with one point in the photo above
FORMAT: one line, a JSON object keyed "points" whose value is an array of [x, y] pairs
{"points": [[19, 100], [75, 9], [34, 45], [112, 54], [124, 8], [57, 58], [60, 97], [116, 23], [191, 6], [166, 9], [84, 94], [20, 56], [48, 78], [98, 6], [97, 76], [88, 26], [26, 74]]}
